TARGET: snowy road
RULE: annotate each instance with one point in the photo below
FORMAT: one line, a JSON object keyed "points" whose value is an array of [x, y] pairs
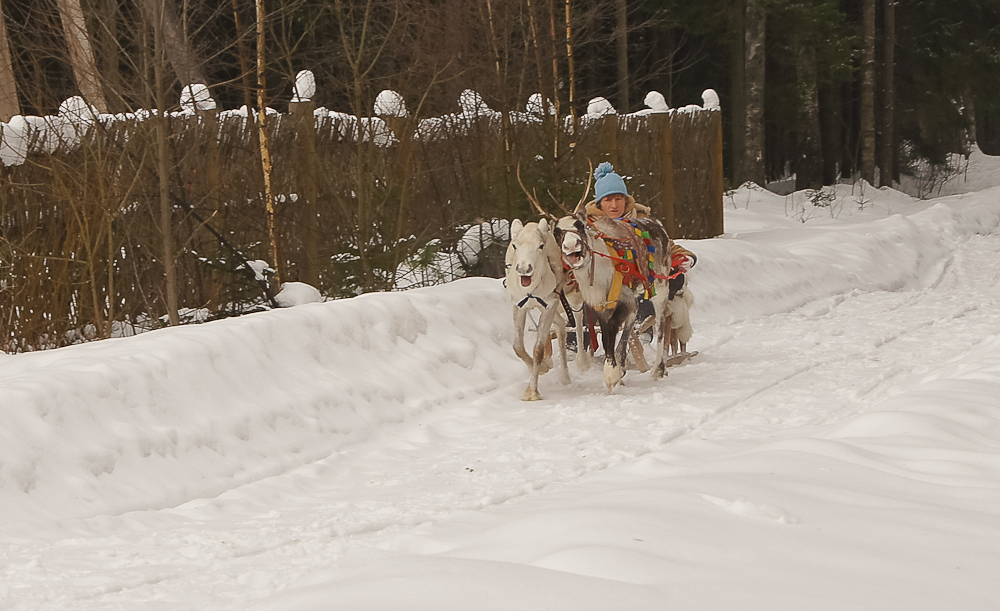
{"points": [[758, 377]]}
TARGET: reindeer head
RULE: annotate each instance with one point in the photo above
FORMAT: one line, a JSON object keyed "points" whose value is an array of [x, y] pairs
{"points": [[570, 235], [530, 256]]}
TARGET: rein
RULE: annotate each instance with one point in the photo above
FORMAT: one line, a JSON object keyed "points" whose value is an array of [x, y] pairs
{"points": [[541, 301], [627, 271]]}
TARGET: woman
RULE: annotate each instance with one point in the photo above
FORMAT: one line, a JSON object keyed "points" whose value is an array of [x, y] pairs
{"points": [[611, 199]]}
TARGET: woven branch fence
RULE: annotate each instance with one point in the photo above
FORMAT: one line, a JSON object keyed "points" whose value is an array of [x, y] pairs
{"points": [[81, 252]]}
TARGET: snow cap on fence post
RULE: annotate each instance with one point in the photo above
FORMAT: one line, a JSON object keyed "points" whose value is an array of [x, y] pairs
{"points": [[74, 120], [598, 107], [656, 102], [472, 104], [304, 88], [196, 97], [710, 100], [77, 111], [388, 103], [537, 106], [14, 140]]}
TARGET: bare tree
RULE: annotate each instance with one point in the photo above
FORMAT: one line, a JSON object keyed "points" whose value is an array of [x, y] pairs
{"points": [[163, 172], [868, 91], [178, 51], [737, 50], [621, 52], [569, 60], [270, 199], [81, 55], [887, 147], [9, 103], [755, 20], [809, 169]]}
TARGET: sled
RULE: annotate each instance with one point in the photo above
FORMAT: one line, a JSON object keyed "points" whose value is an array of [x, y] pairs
{"points": [[677, 359]]}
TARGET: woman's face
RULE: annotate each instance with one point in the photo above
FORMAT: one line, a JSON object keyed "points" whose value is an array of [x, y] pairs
{"points": [[614, 205]]}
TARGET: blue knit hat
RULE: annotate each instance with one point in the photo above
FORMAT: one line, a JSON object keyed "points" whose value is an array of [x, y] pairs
{"points": [[608, 182]]}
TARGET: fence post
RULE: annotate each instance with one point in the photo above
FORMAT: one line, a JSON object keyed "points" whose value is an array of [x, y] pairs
{"points": [[210, 187], [610, 135], [666, 171], [209, 123], [305, 131], [715, 213]]}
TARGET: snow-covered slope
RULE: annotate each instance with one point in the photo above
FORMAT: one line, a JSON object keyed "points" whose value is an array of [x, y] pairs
{"points": [[833, 447]]}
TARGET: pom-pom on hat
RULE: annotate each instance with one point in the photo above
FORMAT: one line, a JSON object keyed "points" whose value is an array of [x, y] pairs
{"points": [[607, 182]]}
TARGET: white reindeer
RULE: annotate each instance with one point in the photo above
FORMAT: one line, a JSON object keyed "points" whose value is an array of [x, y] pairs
{"points": [[535, 277], [680, 330], [583, 242]]}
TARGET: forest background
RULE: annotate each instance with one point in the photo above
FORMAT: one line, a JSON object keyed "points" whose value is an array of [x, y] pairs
{"points": [[822, 90]]}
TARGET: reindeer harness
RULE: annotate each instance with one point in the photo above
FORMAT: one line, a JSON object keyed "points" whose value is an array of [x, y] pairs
{"points": [[633, 261]]}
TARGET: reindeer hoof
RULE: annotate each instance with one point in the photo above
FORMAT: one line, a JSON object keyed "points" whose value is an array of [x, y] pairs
{"points": [[612, 376], [531, 394], [660, 371]]}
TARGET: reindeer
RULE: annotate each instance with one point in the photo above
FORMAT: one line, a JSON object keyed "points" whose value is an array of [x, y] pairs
{"points": [[611, 285], [535, 279]]}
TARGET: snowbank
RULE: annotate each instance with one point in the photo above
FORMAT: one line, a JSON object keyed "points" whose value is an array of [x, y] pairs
{"points": [[894, 509], [167, 416]]}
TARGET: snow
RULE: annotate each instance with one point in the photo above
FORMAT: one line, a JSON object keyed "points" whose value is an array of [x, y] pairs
{"points": [[297, 293], [710, 100], [446, 265], [304, 88], [389, 103], [196, 97], [599, 107], [835, 445]]}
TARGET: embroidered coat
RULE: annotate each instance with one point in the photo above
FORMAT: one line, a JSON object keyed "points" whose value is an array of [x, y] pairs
{"points": [[635, 210]]}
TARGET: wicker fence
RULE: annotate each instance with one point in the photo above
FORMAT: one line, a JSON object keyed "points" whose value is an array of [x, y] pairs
{"points": [[81, 238]]}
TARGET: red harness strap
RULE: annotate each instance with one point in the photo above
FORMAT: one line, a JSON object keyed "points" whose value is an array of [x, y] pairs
{"points": [[628, 269]]}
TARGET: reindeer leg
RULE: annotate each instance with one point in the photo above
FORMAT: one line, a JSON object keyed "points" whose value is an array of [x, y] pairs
{"points": [[662, 331], [563, 357], [538, 364], [520, 316], [621, 350], [531, 392], [612, 377], [583, 355], [616, 345]]}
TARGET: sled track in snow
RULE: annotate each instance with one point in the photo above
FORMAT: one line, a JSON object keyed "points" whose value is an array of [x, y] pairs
{"points": [[753, 379]]}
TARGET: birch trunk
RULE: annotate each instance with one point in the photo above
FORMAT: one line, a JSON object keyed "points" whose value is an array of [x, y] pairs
{"points": [[569, 60], [81, 54], [265, 151]]}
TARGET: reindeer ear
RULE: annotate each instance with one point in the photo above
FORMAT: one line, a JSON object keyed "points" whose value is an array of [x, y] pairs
{"points": [[515, 228], [543, 225]]}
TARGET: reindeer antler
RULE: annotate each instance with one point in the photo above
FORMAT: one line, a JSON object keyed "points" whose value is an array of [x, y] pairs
{"points": [[558, 203], [590, 176], [533, 197]]}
